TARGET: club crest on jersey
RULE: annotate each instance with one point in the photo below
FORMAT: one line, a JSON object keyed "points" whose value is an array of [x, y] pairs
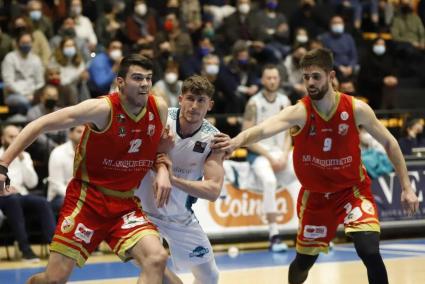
{"points": [[199, 147], [151, 129], [344, 115], [199, 251], [67, 225], [121, 118], [343, 129], [121, 131], [151, 116]]}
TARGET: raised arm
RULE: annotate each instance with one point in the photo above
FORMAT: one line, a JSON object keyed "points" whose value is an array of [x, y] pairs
{"points": [[366, 118]]}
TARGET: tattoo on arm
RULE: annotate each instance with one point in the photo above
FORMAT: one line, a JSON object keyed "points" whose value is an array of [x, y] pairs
{"points": [[250, 113]]}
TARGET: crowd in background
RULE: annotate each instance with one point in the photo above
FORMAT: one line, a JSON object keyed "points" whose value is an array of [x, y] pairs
{"points": [[56, 53]]}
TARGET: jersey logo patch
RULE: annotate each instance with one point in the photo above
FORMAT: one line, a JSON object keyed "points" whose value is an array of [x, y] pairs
{"points": [[343, 129], [367, 207], [131, 220], [199, 147], [83, 233], [344, 115], [121, 118], [151, 116], [353, 216], [151, 129], [121, 132], [199, 251], [314, 232], [67, 225]]}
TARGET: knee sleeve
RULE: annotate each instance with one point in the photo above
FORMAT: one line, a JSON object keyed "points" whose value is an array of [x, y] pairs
{"points": [[206, 273], [298, 270]]}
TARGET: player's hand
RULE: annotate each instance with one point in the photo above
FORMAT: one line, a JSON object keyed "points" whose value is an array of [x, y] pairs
{"points": [[162, 187], [222, 143], [409, 201], [167, 140], [4, 184], [162, 158]]}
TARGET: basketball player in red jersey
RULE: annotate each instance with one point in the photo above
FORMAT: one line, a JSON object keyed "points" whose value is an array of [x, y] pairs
{"points": [[119, 145], [335, 186]]}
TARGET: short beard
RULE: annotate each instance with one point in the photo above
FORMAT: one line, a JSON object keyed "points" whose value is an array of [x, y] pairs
{"points": [[320, 94]]}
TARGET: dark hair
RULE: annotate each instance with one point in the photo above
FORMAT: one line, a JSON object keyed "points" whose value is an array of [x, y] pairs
{"points": [[198, 85], [268, 67], [134, 59], [320, 57]]}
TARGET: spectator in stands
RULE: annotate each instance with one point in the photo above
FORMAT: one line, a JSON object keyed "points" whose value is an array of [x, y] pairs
{"points": [[68, 95], [190, 15], [172, 41], [22, 73], [67, 29], [48, 104], [169, 87], [40, 44], [301, 37], [193, 64], [108, 25], [342, 46], [39, 21], [291, 76], [408, 33], [61, 168], [245, 71], [18, 199], [270, 158], [103, 68], [83, 25], [141, 24], [378, 76], [356, 10], [241, 25], [311, 16], [273, 29], [412, 136], [159, 63], [6, 46]]}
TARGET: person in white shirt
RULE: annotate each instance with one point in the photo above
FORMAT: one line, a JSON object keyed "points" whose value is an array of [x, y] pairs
{"points": [[271, 159], [197, 172], [19, 200], [83, 25], [61, 167]]}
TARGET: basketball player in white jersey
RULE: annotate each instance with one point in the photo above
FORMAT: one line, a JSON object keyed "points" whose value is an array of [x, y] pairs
{"points": [[197, 172], [271, 159]]}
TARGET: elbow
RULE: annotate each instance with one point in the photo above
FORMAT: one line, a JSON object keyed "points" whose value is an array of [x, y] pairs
{"points": [[215, 193]]}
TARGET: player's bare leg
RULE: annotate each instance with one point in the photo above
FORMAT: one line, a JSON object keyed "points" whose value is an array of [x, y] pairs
{"points": [[58, 270], [152, 256]]}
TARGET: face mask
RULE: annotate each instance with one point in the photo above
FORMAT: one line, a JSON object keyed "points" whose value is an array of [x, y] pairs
{"points": [[76, 10], [271, 5], [244, 8], [50, 103], [69, 51], [55, 81], [25, 48], [209, 33], [35, 15], [405, 9], [115, 54], [204, 51], [337, 28], [169, 25], [211, 69], [243, 61], [141, 9], [170, 77], [379, 49], [302, 38], [19, 30], [68, 32]]}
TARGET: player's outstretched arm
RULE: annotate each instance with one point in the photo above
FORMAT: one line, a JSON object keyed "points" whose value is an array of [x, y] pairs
{"points": [[94, 111], [367, 119]]}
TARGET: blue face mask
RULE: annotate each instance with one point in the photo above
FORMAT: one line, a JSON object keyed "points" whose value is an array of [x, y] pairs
{"points": [[204, 51], [271, 5], [379, 49], [35, 15], [25, 48], [243, 61]]}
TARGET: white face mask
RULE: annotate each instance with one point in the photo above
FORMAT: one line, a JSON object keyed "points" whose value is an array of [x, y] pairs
{"points": [[69, 51], [379, 49], [170, 77], [115, 54], [302, 38], [211, 69], [76, 10], [244, 8], [141, 9], [35, 15], [337, 28]]}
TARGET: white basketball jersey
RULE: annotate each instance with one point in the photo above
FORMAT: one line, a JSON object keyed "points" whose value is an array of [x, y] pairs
{"points": [[266, 109], [188, 156]]}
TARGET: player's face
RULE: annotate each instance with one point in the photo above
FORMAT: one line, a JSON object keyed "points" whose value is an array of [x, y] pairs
{"points": [[193, 108], [270, 80], [317, 82], [136, 85]]}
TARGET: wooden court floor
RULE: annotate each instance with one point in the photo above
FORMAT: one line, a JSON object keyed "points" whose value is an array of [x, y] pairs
{"points": [[404, 259]]}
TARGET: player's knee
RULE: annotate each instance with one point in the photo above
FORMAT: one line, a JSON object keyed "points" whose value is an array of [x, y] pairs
{"points": [[156, 260], [57, 277], [367, 245]]}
